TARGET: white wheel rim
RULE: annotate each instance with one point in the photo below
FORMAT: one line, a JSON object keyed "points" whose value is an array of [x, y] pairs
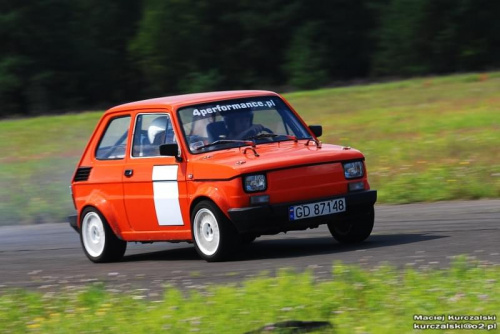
{"points": [[93, 234], [206, 232]]}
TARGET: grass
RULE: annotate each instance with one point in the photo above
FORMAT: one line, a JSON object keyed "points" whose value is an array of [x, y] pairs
{"points": [[379, 300], [38, 158], [426, 139]]}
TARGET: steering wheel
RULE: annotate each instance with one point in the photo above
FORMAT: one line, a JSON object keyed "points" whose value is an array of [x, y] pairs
{"points": [[253, 131], [261, 134]]}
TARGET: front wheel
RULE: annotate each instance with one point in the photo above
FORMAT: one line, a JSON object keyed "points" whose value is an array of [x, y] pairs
{"points": [[214, 237], [99, 242], [353, 230]]}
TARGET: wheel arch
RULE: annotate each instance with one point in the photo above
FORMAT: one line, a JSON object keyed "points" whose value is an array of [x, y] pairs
{"points": [[220, 200], [98, 201], [198, 200], [213, 194]]}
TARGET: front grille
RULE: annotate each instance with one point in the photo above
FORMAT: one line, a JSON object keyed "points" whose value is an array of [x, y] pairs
{"points": [[82, 174]]}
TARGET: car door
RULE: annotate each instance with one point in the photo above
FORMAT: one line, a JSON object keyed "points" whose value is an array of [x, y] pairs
{"points": [[154, 185], [106, 172]]}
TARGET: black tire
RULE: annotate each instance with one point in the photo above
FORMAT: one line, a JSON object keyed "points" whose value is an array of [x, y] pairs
{"points": [[354, 230], [214, 237], [99, 242]]}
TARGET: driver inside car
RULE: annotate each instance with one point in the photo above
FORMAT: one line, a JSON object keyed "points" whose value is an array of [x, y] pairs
{"points": [[240, 125]]}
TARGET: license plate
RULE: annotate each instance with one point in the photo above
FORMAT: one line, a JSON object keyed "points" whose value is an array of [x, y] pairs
{"points": [[323, 208]]}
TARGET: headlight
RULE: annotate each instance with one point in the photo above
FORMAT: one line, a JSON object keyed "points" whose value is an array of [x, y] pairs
{"points": [[353, 170], [255, 183]]}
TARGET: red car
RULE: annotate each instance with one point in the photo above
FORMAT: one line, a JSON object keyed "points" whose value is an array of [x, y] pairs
{"points": [[215, 169]]}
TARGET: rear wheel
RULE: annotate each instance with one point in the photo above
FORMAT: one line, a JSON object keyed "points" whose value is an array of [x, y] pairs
{"points": [[214, 237], [353, 230], [99, 242]]}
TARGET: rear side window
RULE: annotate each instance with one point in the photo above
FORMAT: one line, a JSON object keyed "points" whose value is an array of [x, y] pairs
{"points": [[113, 141]]}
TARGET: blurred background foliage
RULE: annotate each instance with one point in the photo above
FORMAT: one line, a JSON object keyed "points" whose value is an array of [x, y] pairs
{"points": [[60, 55]]}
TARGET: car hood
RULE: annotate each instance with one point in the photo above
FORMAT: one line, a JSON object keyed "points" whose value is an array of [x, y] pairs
{"points": [[229, 163]]}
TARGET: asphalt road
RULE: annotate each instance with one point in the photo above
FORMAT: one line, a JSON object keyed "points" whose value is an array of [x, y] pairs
{"points": [[49, 257]]}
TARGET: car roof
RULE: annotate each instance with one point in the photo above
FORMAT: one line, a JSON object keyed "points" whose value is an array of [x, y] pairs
{"points": [[177, 101]]}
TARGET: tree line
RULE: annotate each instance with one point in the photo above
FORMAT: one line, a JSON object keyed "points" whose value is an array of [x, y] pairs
{"points": [[60, 55]]}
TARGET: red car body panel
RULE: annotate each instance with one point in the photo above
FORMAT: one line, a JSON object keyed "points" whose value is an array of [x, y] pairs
{"points": [[131, 203]]}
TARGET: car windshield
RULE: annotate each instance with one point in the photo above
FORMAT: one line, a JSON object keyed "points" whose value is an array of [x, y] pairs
{"points": [[240, 122]]}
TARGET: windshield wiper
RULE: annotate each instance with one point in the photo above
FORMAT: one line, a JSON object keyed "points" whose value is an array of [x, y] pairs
{"points": [[227, 141], [273, 135]]}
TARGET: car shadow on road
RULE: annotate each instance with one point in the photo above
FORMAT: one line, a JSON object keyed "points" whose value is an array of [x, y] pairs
{"points": [[186, 253], [287, 248]]}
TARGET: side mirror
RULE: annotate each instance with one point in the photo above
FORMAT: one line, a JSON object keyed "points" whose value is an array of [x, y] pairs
{"points": [[316, 129], [170, 150]]}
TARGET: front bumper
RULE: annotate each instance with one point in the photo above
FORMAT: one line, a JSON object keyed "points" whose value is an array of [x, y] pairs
{"points": [[272, 219]]}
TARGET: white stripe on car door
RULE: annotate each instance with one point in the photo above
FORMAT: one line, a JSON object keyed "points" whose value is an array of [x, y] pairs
{"points": [[166, 195]]}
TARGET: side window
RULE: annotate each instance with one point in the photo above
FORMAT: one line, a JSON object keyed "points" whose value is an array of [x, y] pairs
{"points": [[151, 131], [113, 141]]}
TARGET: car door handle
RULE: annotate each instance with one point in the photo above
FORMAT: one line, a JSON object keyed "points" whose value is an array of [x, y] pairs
{"points": [[129, 172]]}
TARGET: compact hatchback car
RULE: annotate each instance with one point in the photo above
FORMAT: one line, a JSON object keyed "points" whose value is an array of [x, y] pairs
{"points": [[216, 169]]}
